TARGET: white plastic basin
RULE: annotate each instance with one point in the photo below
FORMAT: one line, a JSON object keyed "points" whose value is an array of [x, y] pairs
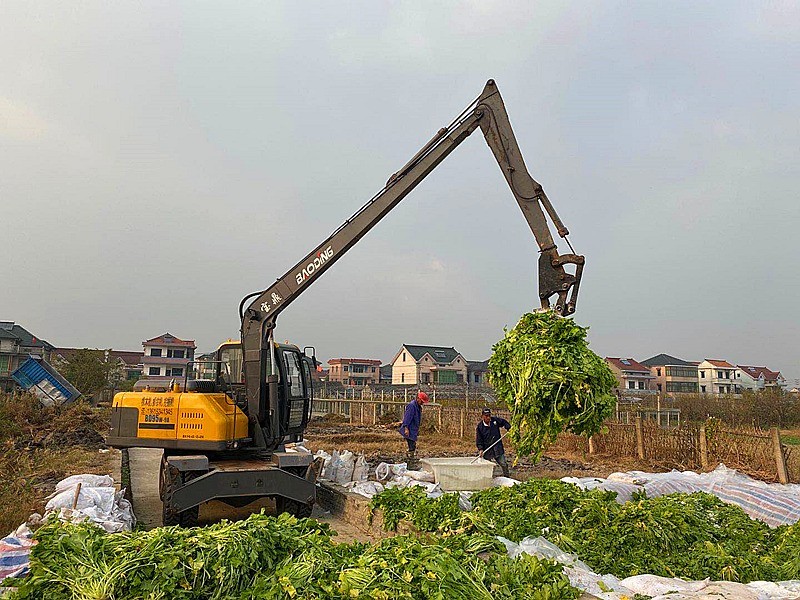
{"points": [[457, 473]]}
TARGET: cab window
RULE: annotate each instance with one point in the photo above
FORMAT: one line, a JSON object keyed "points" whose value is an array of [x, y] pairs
{"points": [[307, 374], [293, 374], [232, 359]]}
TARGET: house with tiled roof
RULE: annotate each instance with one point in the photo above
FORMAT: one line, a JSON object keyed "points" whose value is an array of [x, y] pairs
{"points": [[478, 372], [672, 374], [631, 375], [16, 344], [716, 376], [166, 356], [355, 371], [759, 378], [414, 364]]}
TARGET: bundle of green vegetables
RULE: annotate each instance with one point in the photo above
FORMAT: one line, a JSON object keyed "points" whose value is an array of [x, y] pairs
{"points": [[544, 371], [283, 558], [459, 566], [692, 536], [82, 561]]}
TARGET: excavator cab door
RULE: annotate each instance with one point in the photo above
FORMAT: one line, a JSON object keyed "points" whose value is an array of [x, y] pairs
{"points": [[228, 373], [308, 368], [296, 392]]}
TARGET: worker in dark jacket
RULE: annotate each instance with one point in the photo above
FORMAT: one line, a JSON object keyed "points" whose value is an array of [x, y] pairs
{"points": [[486, 434], [409, 428]]}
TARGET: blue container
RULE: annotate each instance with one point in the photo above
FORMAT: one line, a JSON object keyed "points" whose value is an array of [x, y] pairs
{"points": [[39, 377]]}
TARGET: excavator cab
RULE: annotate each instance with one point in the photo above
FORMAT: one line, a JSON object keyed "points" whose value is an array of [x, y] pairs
{"points": [[295, 384], [208, 436]]}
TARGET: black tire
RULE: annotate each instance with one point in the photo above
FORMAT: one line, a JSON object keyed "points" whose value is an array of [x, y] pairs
{"points": [[162, 477], [189, 518], [293, 507], [172, 480]]}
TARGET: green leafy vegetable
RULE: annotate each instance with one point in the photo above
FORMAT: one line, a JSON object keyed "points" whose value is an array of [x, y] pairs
{"points": [[283, 558], [544, 371], [692, 536], [412, 504]]}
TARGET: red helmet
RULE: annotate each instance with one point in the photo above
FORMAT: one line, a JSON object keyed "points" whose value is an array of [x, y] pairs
{"points": [[423, 397]]}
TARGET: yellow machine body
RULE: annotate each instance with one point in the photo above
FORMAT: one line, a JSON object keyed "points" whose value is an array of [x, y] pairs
{"points": [[177, 420]]}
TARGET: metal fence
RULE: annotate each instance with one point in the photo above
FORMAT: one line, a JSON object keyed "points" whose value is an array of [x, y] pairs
{"points": [[461, 395]]}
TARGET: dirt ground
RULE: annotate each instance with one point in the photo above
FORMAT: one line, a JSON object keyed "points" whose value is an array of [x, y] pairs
{"points": [[40, 446], [383, 444]]}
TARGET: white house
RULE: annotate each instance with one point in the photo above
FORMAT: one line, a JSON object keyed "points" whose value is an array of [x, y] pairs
{"points": [[167, 356], [759, 378], [716, 377], [414, 364]]}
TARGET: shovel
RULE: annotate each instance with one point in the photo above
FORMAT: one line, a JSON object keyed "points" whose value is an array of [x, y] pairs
{"points": [[492, 445]]}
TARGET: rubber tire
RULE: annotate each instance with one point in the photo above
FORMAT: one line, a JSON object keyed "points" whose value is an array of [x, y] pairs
{"points": [[162, 477], [293, 507], [174, 479]]}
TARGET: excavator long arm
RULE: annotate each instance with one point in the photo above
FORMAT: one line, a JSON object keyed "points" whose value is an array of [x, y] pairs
{"points": [[487, 112]]}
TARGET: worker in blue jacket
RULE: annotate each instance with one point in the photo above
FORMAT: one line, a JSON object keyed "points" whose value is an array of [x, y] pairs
{"points": [[409, 428], [486, 434]]}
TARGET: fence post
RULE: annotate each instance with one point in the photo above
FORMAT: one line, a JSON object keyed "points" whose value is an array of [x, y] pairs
{"points": [[361, 421], [703, 447], [780, 459], [440, 419], [461, 418], [591, 444], [639, 436], [374, 414]]}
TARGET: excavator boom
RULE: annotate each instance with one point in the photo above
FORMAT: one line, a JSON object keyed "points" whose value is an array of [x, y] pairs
{"points": [[259, 311]]}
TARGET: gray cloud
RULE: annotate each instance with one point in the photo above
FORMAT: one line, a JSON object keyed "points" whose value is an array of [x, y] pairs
{"points": [[162, 160]]}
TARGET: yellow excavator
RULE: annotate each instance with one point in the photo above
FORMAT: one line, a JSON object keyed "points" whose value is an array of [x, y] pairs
{"points": [[234, 437]]}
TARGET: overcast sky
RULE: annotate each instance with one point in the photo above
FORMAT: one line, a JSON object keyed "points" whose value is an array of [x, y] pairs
{"points": [[161, 160]]}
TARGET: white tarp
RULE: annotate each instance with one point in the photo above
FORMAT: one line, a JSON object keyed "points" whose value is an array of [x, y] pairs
{"points": [[97, 500], [368, 489], [610, 587], [773, 503]]}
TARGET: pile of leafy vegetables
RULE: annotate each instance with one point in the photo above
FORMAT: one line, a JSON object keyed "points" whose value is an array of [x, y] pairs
{"points": [[412, 504], [283, 558], [544, 371], [692, 536]]}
